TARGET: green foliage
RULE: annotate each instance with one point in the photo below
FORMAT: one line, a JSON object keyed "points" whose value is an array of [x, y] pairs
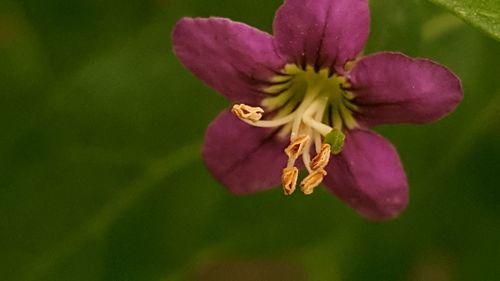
{"points": [[484, 14], [102, 179]]}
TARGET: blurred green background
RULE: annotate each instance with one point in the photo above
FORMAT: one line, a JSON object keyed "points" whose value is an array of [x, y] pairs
{"points": [[101, 176]]}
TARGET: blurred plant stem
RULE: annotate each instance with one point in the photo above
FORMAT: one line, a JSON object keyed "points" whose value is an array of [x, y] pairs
{"points": [[98, 224]]}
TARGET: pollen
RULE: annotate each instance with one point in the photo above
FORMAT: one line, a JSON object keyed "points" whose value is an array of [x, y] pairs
{"points": [[296, 148], [248, 113], [310, 182], [322, 158], [289, 179]]}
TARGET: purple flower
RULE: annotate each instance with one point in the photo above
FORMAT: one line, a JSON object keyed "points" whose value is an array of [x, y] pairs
{"points": [[305, 90]]}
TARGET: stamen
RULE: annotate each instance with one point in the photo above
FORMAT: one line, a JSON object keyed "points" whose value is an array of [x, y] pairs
{"points": [[270, 123], [322, 108], [322, 158], [247, 113], [285, 131], [289, 179], [296, 148], [306, 156], [317, 141], [310, 182], [310, 96], [320, 114]]}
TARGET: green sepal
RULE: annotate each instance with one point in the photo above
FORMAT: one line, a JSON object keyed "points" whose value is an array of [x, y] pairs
{"points": [[336, 140]]}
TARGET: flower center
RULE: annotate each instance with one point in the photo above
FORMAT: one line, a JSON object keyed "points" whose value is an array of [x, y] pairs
{"points": [[311, 107]]}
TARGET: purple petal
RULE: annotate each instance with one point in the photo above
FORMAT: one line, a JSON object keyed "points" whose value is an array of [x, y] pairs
{"points": [[393, 88], [244, 158], [231, 57], [368, 176], [323, 33]]}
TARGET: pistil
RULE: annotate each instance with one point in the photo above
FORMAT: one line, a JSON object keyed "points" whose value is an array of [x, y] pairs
{"points": [[308, 119], [246, 112]]}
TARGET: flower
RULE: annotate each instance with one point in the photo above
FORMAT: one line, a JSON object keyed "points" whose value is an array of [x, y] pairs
{"points": [[306, 90]]}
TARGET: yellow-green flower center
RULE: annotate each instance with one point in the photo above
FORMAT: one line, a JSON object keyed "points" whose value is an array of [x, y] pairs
{"points": [[326, 91], [312, 108]]}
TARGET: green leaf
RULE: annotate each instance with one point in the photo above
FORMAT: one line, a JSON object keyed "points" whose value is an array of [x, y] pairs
{"points": [[483, 14]]}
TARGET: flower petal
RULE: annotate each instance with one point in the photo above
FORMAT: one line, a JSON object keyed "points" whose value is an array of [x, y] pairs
{"points": [[231, 57], [323, 33], [393, 88], [368, 176], [244, 158]]}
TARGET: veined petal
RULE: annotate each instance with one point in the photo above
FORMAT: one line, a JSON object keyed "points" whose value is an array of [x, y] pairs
{"points": [[393, 88], [323, 33], [368, 176], [243, 158], [231, 57]]}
